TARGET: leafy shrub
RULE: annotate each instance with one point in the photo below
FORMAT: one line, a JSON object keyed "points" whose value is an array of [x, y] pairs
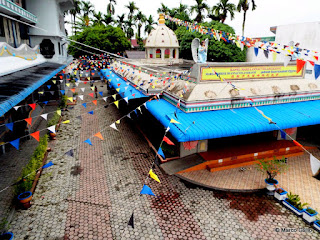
{"points": [[294, 200], [25, 184], [63, 103], [54, 120]]}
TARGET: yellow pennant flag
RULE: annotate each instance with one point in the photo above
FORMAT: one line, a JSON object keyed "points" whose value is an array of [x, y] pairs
{"points": [[274, 56], [114, 96], [54, 81], [139, 108], [116, 103], [92, 88], [41, 93], [118, 89], [80, 75], [68, 84], [153, 86], [118, 122], [89, 78], [59, 112], [75, 72], [67, 121], [153, 175], [173, 121], [70, 99], [110, 80]]}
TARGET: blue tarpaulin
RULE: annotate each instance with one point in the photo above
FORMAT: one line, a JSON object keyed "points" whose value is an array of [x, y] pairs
{"points": [[116, 80], [233, 122]]}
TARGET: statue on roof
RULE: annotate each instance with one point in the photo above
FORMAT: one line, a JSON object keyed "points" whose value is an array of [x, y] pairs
{"points": [[199, 56]]}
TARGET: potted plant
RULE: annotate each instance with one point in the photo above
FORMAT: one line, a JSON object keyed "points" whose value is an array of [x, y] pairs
{"points": [[294, 204], [316, 225], [280, 194], [272, 168], [6, 236], [309, 215], [25, 198]]}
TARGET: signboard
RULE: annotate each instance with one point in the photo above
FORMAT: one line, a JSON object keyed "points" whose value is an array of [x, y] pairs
{"points": [[249, 72]]}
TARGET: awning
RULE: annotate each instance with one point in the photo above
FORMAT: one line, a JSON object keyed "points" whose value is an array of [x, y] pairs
{"points": [[17, 86], [130, 92], [233, 122]]}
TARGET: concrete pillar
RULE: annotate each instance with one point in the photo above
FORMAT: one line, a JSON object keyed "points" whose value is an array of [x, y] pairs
{"points": [[162, 53], [177, 53]]}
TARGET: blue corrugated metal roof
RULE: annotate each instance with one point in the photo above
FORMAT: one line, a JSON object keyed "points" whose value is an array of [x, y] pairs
{"points": [[232, 122], [115, 80], [21, 84]]}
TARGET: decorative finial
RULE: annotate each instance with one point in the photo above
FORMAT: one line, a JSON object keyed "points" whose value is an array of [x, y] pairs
{"points": [[161, 18]]}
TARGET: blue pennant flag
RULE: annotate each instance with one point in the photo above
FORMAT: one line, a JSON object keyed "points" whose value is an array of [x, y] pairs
{"points": [[84, 104], [101, 93], [91, 112], [62, 91], [283, 134], [256, 51], [147, 190], [45, 102], [88, 141], [10, 126], [49, 164], [15, 143], [160, 152], [49, 86], [316, 70]]}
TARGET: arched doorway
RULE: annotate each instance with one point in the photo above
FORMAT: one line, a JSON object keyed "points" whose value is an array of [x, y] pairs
{"points": [[167, 53], [174, 53], [158, 53]]}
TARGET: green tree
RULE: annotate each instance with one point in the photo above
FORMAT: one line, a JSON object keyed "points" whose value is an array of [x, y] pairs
{"points": [[140, 18], [129, 28], [218, 51], [108, 19], [107, 38], [163, 9], [222, 8], [74, 11], [110, 7], [120, 21], [98, 18], [244, 6], [149, 24], [87, 8], [200, 8], [132, 8]]}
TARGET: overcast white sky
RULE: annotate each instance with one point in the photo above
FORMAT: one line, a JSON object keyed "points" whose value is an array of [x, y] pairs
{"points": [[268, 13]]}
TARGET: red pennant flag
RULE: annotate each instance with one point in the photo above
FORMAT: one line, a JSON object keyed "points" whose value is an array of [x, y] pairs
{"points": [[300, 65], [91, 94], [73, 90], [61, 77], [316, 57], [35, 135], [28, 120], [134, 95], [32, 105], [167, 140], [99, 135], [311, 62], [85, 82], [119, 84], [95, 102], [64, 71], [298, 144], [92, 74]]}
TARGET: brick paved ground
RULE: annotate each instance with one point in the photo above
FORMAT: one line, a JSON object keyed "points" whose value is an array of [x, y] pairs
{"points": [[298, 179], [93, 195]]}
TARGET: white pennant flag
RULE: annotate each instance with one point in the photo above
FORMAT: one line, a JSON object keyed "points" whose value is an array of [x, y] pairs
{"points": [[61, 81], [52, 129], [129, 116], [126, 99], [127, 84], [52, 92], [105, 98], [113, 125], [16, 108], [81, 97], [168, 128], [145, 105], [217, 35], [286, 60], [315, 165], [241, 46], [82, 89], [77, 84], [45, 116]]}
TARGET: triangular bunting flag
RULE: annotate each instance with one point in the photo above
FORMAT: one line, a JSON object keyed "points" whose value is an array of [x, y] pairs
{"points": [[45, 116], [129, 116], [168, 128], [91, 94], [160, 152], [45, 102], [283, 134], [54, 81], [316, 71], [36, 135], [81, 97], [153, 176], [167, 140], [70, 153], [256, 51], [28, 120], [82, 89], [88, 141], [15, 143], [101, 94], [51, 92], [16, 108], [118, 122], [59, 112], [32, 105], [95, 102], [114, 96], [298, 144], [116, 103], [73, 90], [131, 221], [52, 129], [67, 121], [68, 84], [92, 88], [62, 92], [77, 84], [315, 165], [146, 190], [91, 112], [117, 89], [126, 99], [41, 93], [99, 135], [84, 104], [274, 56], [300, 65], [61, 81], [49, 164], [174, 121], [286, 60], [70, 99], [9, 126], [113, 125], [105, 98]]}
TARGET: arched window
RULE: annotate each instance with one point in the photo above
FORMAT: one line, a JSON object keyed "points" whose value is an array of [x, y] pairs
{"points": [[150, 53], [167, 53], [158, 53], [174, 53]]}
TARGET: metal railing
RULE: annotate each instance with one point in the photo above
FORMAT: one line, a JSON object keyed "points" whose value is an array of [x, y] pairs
{"points": [[14, 8]]}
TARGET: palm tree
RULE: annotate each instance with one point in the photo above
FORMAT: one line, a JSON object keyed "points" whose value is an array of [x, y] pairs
{"points": [[110, 7], [182, 12], [107, 19], [83, 22], [222, 9], [244, 6], [163, 9], [132, 7], [98, 18], [199, 8], [148, 27], [129, 30], [87, 8], [140, 18], [120, 21], [74, 11]]}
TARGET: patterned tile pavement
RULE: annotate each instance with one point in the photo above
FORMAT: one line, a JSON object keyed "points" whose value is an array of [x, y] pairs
{"points": [[92, 195]]}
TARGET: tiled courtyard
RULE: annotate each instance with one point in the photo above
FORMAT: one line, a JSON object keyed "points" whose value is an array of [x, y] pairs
{"points": [[92, 195]]}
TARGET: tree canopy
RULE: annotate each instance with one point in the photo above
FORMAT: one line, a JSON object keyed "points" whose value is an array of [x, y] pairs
{"points": [[218, 51], [108, 38]]}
